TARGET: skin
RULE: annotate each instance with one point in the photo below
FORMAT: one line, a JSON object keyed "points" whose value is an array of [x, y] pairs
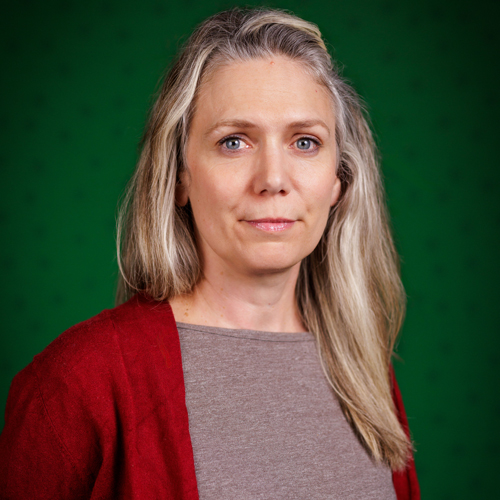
{"points": [[279, 163]]}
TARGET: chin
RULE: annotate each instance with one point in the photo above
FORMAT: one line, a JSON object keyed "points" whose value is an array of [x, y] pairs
{"points": [[271, 264]]}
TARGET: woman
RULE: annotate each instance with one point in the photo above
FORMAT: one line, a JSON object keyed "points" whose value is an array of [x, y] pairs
{"points": [[259, 295]]}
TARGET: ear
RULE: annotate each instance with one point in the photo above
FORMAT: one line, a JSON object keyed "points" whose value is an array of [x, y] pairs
{"points": [[337, 187], [181, 192]]}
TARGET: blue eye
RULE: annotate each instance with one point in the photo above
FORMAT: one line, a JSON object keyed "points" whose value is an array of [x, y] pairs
{"points": [[304, 143], [232, 143]]}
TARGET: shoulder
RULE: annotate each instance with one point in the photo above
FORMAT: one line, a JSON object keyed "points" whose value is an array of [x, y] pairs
{"points": [[84, 372], [92, 357], [69, 409], [93, 346], [66, 405]]}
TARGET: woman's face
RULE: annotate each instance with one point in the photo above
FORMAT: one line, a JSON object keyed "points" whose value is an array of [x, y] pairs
{"points": [[261, 158]]}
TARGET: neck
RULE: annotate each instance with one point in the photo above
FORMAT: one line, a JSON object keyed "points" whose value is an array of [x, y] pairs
{"points": [[226, 299]]}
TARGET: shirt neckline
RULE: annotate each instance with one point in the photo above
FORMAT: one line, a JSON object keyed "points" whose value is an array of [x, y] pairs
{"points": [[248, 334]]}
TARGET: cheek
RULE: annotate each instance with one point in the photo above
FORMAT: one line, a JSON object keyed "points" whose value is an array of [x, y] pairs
{"points": [[321, 192], [211, 202]]}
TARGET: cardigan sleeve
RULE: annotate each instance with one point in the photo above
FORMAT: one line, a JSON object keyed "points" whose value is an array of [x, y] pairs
{"points": [[34, 462], [405, 481], [57, 413], [100, 413]]}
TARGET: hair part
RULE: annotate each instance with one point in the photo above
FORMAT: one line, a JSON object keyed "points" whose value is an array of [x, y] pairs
{"points": [[349, 292]]}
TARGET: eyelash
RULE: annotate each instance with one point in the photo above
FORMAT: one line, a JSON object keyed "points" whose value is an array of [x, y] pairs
{"points": [[315, 141]]}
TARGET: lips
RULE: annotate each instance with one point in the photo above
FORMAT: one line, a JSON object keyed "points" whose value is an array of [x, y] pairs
{"points": [[271, 225]]}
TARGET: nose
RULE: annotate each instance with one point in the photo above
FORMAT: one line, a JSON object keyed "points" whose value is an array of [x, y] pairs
{"points": [[271, 172]]}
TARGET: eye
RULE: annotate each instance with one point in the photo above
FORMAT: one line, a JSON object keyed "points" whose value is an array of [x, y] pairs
{"points": [[305, 143], [231, 143]]}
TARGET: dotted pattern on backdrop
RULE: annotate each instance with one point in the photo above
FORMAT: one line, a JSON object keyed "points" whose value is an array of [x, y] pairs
{"points": [[76, 86]]}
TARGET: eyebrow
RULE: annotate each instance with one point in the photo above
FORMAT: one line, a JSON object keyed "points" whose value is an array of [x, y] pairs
{"points": [[244, 124]]}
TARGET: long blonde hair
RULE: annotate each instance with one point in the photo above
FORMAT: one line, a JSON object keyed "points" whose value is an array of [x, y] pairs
{"points": [[349, 291]]}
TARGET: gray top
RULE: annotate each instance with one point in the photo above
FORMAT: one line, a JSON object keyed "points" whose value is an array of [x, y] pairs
{"points": [[264, 423]]}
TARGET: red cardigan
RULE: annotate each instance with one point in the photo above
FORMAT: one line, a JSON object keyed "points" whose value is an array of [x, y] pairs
{"points": [[101, 414]]}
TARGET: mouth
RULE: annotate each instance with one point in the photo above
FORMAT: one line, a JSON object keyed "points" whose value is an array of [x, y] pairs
{"points": [[271, 225]]}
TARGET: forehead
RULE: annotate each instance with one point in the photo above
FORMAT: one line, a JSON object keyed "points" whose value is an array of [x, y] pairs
{"points": [[271, 89]]}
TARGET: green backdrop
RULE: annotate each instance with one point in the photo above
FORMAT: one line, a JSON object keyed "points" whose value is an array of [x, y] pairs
{"points": [[77, 80]]}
